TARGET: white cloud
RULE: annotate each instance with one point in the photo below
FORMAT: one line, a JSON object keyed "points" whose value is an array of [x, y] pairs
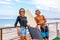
{"points": [[42, 7], [17, 0], [7, 17], [5, 1], [10, 7], [46, 4]]}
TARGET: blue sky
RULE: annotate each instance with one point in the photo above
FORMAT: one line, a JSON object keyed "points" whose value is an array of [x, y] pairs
{"points": [[49, 8]]}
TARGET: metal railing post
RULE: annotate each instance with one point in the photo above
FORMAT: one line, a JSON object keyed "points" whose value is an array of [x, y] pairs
{"points": [[57, 28], [0, 34]]}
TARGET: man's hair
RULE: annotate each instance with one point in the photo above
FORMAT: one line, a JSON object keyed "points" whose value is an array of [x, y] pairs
{"points": [[37, 10]]}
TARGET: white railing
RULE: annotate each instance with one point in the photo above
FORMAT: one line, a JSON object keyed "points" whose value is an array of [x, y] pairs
{"points": [[54, 30], [10, 33]]}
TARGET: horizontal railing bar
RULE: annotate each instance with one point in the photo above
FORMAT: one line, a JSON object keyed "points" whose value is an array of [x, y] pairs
{"points": [[8, 27], [1, 29]]}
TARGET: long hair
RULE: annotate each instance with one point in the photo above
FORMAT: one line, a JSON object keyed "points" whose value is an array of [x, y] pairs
{"points": [[21, 9]]}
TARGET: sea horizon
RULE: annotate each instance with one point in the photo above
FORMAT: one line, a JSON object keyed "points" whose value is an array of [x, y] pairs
{"points": [[11, 22]]}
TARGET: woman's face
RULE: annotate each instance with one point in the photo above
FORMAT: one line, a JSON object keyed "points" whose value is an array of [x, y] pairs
{"points": [[37, 12], [22, 13]]}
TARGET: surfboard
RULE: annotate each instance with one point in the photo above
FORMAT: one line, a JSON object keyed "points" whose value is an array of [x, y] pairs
{"points": [[30, 18], [35, 33]]}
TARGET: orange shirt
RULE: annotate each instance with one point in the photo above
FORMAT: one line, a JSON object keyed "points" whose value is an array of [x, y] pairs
{"points": [[40, 20]]}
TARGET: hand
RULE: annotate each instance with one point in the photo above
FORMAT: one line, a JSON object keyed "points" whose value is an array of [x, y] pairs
{"points": [[18, 30], [28, 25]]}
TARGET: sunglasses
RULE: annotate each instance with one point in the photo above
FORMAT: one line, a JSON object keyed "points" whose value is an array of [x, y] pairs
{"points": [[22, 11]]}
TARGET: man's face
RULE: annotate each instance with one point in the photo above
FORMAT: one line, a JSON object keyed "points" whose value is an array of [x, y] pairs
{"points": [[37, 12]]}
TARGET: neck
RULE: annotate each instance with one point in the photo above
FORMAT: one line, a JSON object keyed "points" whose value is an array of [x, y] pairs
{"points": [[21, 16], [38, 15]]}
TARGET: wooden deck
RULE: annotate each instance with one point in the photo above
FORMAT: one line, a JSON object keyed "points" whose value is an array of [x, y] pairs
{"points": [[10, 33]]}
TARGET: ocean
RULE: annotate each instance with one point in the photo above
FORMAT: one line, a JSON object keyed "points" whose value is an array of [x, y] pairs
{"points": [[6, 22], [11, 22]]}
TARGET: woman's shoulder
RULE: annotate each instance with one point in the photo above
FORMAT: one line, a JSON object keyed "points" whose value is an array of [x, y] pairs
{"points": [[18, 16]]}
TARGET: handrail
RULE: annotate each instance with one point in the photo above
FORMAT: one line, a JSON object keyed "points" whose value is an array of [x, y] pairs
{"points": [[2, 31], [8, 31]]}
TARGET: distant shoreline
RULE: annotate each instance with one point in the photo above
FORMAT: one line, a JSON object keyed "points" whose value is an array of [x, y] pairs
{"points": [[46, 18]]}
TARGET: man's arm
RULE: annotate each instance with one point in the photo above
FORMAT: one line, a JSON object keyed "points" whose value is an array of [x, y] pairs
{"points": [[35, 20], [44, 18]]}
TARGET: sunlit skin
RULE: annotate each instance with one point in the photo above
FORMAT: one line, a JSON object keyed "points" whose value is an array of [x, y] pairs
{"points": [[22, 13], [40, 19]]}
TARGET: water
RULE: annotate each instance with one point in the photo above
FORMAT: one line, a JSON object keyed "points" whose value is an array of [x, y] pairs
{"points": [[6, 22], [11, 22]]}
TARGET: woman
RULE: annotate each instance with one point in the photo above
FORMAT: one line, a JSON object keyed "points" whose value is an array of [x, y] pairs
{"points": [[22, 19]]}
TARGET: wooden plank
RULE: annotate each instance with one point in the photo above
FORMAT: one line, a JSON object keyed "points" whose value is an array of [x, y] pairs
{"points": [[9, 33]]}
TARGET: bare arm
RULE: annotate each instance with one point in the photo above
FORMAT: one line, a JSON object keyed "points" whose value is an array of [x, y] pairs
{"points": [[44, 19]]}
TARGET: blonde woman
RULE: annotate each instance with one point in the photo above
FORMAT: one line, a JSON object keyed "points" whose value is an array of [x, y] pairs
{"points": [[22, 19]]}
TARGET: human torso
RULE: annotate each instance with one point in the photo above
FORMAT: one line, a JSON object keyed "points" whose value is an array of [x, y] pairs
{"points": [[23, 21], [40, 20]]}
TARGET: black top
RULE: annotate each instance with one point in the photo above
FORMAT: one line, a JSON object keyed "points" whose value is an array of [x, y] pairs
{"points": [[22, 21]]}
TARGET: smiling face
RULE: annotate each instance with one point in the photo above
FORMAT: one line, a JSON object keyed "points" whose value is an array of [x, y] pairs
{"points": [[37, 12], [22, 12]]}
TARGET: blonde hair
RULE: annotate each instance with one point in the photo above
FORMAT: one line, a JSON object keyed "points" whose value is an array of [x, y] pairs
{"points": [[21, 9]]}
